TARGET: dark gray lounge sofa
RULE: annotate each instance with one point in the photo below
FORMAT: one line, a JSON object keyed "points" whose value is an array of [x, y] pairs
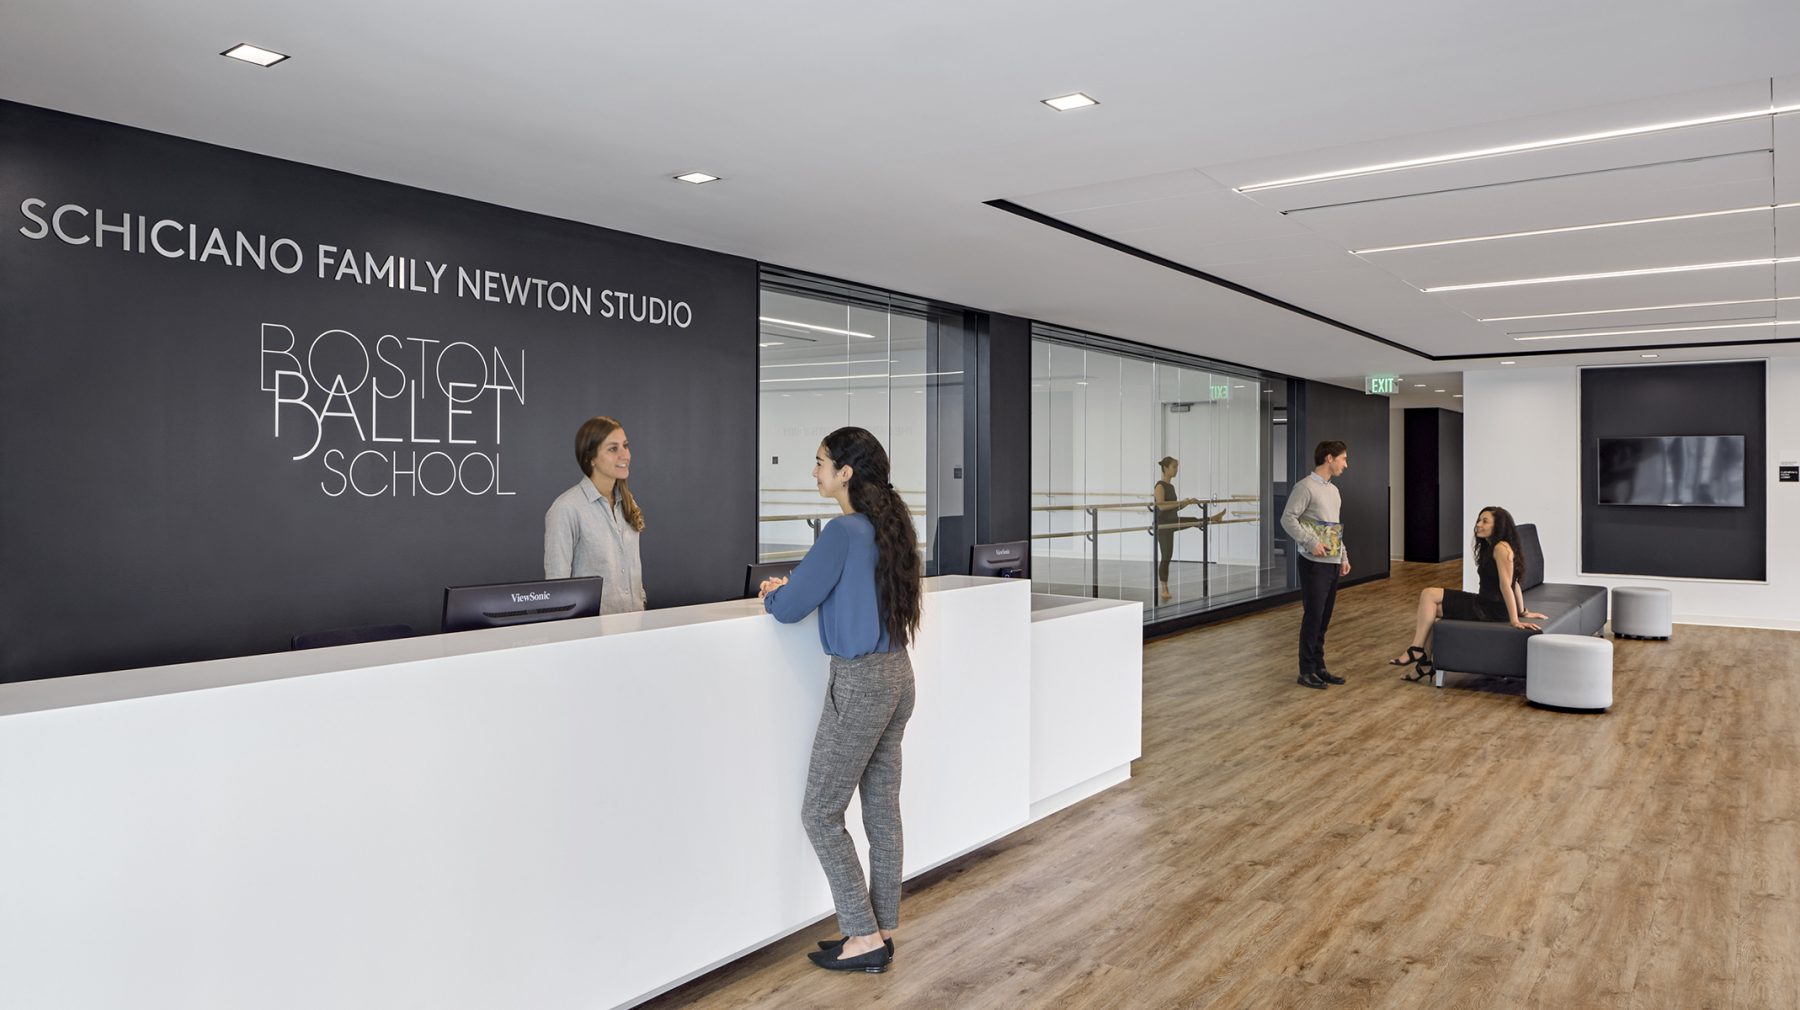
{"points": [[1497, 649]]}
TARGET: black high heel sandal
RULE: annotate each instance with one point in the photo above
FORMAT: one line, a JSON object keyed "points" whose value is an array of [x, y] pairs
{"points": [[1414, 654], [1423, 671]]}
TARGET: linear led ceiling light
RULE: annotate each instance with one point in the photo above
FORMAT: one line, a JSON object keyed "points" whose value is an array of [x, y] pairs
{"points": [[872, 375], [1492, 152], [1663, 329], [1640, 308], [254, 54], [1068, 103], [815, 327], [841, 363], [1574, 227], [1647, 271], [697, 178]]}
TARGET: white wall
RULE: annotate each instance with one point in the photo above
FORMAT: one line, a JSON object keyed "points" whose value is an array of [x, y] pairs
{"points": [[1521, 438]]}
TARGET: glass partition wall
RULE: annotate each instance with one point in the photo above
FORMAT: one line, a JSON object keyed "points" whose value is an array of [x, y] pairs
{"points": [[832, 354], [1107, 426]]}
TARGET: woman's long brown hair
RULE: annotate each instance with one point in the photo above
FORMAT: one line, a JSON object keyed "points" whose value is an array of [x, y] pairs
{"points": [[588, 441], [897, 568], [1507, 532]]}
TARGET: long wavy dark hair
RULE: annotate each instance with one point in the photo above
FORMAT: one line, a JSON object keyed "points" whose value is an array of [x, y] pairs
{"points": [[897, 569], [588, 440], [1505, 531]]}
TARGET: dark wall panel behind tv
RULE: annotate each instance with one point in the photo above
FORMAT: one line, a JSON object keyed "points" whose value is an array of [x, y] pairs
{"points": [[1718, 398], [151, 513]]}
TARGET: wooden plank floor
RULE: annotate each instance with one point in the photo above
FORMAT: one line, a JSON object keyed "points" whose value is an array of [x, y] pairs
{"points": [[1379, 844]]}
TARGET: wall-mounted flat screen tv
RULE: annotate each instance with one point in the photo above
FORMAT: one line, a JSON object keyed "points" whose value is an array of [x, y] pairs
{"points": [[1701, 470]]}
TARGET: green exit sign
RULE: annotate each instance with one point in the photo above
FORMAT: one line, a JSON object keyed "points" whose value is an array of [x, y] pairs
{"points": [[1221, 392], [1383, 385]]}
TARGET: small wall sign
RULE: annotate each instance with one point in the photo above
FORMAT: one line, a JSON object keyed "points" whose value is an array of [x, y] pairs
{"points": [[1382, 385]]}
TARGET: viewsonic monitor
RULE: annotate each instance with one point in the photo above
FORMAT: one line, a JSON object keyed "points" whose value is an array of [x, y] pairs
{"points": [[755, 574], [502, 605], [1001, 561]]}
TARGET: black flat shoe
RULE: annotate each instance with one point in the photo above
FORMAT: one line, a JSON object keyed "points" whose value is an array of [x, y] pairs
{"points": [[874, 962], [1328, 677], [840, 941], [1306, 679]]}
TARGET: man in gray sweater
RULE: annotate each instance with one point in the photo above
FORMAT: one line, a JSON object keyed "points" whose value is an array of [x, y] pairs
{"points": [[1311, 519]]}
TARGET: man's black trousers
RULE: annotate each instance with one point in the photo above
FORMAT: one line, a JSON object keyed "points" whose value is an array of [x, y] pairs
{"points": [[1318, 593]]}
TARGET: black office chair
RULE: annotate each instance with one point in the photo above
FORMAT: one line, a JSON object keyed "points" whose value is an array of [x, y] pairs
{"points": [[352, 636]]}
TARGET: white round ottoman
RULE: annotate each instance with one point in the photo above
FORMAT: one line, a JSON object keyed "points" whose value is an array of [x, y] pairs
{"points": [[1641, 612], [1569, 671]]}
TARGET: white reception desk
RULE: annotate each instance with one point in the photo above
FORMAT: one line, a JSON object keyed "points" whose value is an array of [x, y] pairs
{"points": [[572, 815]]}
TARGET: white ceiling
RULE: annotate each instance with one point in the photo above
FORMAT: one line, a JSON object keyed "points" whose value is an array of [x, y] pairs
{"points": [[861, 141]]}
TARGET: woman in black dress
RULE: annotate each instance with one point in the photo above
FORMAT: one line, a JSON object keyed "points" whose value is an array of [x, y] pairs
{"points": [[1497, 550]]}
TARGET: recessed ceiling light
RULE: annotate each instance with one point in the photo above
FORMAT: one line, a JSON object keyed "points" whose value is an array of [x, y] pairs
{"points": [[254, 54], [1509, 362], [770, 343], [1575, 227], [1645, 272], [1066, 103], [1640, 308], [1455, 396], [816, 327], [1662, 329], [697, 178], [1521, 148], [1418, 385], [1438, 390], [1648, 355]]}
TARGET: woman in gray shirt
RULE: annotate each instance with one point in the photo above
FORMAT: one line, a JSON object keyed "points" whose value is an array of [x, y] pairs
{"points": [[592, 528]]}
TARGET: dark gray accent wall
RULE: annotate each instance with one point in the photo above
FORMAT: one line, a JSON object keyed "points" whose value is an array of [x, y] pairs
{"points": [[1433, 444], [1361, 422], [1003, 469], [152, 514], [1720, 398]]}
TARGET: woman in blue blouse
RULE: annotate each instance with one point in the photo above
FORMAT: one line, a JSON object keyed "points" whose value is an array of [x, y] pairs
{"points": [[862, 575]]}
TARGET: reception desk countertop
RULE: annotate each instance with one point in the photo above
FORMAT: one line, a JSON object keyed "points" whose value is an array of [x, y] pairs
{"points": [[515, 817]]}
